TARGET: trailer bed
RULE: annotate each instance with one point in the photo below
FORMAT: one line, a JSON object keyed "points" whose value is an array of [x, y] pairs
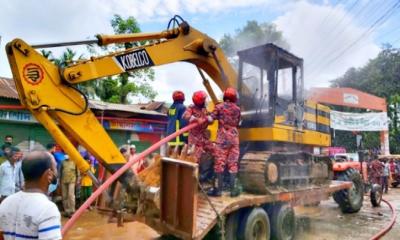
{"points": [[188, 213]]}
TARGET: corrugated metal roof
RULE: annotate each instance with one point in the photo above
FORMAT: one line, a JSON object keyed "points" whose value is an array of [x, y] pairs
{"points": [[135, 108], [8, 90]]}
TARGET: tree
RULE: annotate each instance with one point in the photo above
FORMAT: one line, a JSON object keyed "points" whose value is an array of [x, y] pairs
{"points": [[380, 77], [119, 89], [252, 34]]}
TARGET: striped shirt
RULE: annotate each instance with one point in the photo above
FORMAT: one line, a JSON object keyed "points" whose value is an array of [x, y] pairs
{"points": [[28, 215]]}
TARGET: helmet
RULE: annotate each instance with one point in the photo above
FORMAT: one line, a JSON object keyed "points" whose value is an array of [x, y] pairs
{"points": [[230, 94], [199, 98], [178, 96]]}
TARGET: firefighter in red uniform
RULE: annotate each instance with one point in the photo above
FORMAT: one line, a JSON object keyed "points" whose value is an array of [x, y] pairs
{"points": [[227, 150], [198, 135]]}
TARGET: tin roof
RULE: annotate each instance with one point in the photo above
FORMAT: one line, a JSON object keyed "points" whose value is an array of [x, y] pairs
{"points": [[135, 108], [8, 90]]}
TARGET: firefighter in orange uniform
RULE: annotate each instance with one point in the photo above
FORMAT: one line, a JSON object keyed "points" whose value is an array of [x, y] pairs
{"points": [[198, 135], [227, 150]]}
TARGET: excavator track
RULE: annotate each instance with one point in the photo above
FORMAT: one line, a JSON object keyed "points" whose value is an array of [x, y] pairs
{"points": [[267, 172]]}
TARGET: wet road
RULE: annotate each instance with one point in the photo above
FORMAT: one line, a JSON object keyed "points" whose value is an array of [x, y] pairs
{"points": [[325, 222]]}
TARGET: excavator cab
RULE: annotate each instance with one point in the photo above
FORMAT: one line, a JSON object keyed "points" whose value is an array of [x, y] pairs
{"points": [[264, 98]]}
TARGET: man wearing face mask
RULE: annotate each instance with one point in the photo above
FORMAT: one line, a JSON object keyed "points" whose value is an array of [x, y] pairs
{"points": [[29, 214]]}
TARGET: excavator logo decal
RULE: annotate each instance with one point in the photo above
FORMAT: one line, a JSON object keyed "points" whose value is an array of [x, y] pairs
{"points": [[134, 60], [33, 73]]}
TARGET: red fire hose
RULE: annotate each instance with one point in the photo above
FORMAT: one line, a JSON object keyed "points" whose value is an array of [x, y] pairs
{"points": [[119, 172], [389, 226]]}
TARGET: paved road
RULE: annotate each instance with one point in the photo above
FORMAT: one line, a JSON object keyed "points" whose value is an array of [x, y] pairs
{"points": [[324, 222]]}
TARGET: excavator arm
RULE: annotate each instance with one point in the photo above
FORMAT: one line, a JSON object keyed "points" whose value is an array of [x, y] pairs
{"points": [[49, 93]]}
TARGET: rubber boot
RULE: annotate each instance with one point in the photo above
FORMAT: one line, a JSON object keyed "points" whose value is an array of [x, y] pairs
{"points": [[235, 191], [216, 191]]}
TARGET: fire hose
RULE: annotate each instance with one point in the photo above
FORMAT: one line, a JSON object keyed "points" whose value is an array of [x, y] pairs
{"points": [[121, 171], [389, 226]]}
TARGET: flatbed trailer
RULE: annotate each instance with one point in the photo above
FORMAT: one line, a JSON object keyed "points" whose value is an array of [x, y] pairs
{"points": [[188, 213]]}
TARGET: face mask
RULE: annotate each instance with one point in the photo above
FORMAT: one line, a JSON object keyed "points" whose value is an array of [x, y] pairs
{"points": [[53, 184], [54, 179], [52, 188]]}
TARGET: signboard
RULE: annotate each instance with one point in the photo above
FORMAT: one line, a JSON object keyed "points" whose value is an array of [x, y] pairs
{"points": [[134, 126], [18, 116], [359, 121], [350, 98]]}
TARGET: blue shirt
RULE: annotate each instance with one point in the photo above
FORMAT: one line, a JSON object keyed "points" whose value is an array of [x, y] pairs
{"points": [[176, 122], [11, 178]]}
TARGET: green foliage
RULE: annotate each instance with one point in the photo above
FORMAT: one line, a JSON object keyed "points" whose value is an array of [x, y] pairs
{"points": [[252, 34], [380, 77], [115, 89], [119, 89]]}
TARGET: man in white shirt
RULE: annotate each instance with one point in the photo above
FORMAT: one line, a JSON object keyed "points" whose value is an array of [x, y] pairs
{"points": [[11, 177], [29, 214]]}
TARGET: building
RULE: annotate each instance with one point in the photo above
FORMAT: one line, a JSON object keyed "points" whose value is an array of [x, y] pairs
{"points": [[139, 124]]}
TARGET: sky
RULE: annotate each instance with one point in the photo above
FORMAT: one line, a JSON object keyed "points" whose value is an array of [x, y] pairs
{"points": [[330, 35]]}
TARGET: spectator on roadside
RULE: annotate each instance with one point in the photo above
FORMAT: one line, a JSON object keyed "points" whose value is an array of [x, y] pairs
{"points": [[138, 164], [398, 166], [124, 153], [29, 214], [385, 176], [11, 177], [376, 171], [87, 182], [51, 148], [8, 140], [69, 175]]}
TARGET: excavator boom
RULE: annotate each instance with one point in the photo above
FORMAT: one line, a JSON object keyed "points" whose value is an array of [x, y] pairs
{"points": [[49, 93]]}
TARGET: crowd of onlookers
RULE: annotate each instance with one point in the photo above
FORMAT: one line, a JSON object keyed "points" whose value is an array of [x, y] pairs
{"points": [[384, 171], [71, 187]]}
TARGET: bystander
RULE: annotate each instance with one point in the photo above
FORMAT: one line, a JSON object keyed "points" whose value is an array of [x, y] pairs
{"points": [[69, 176], [11, 177], [29, 214]]}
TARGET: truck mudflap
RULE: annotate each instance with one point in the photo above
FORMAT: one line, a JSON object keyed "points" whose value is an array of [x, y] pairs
{"points": [[187, 213]]}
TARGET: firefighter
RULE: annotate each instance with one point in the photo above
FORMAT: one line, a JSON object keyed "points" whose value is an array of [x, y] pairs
{"points": [[176, 122], [198, 136], [227, 150]]}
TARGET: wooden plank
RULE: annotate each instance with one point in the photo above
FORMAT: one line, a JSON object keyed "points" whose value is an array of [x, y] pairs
{"points": [[187, 198], [179, 196], [169, 193]]}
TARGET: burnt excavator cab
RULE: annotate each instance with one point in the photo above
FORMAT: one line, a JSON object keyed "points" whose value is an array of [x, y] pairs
{"points": [[266, 97]]}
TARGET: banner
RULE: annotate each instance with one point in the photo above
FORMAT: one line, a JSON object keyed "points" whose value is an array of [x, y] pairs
{"points": [[17, 116], [134, 126], [359, 121]]}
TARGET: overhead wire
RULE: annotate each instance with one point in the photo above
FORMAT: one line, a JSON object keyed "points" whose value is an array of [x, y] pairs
{"points": [[315, 53], [333, 41], [378, 22]]}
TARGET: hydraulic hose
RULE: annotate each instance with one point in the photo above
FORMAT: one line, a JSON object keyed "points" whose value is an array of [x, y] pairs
{"points": [[120, 171], [382, 233]]}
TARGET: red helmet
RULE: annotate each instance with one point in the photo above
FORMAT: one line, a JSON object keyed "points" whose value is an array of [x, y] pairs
{"points": [[178, 96], [199, 98], [230, 94]]}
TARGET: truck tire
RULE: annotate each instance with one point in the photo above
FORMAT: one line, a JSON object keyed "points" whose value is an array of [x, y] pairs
{"points": [[283, 222], [376, 195], [231, 226], [255, 225], [350, 200]]}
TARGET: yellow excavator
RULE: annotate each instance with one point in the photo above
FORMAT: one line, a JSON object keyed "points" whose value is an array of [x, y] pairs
{"points": [[278, 132]]}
